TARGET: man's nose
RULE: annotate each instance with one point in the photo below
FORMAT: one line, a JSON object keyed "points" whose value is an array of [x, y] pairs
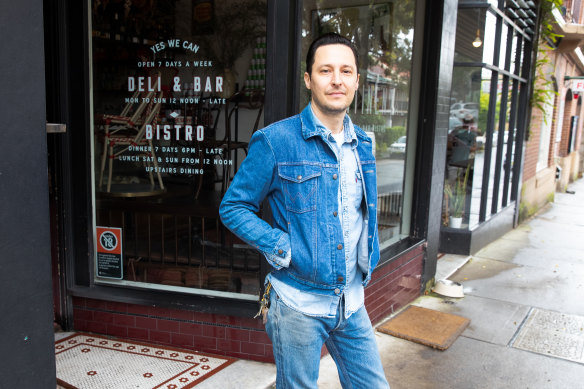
{"points": [[336, 78]]}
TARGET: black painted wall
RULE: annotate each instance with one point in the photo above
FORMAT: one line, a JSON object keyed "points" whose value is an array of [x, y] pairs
{"points": [[438, 61], [26, 314]]}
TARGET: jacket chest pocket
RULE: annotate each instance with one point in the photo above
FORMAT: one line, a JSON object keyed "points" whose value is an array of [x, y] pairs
{"points": [[300, 184]]}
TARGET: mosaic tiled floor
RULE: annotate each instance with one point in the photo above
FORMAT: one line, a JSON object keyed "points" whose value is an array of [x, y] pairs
{"points": [[89, 361], [554, 334]]}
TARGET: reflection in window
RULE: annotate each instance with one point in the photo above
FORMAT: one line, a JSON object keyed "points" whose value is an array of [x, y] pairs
{"points": [[470, 26], [177, 91], [481, 149], [383, 32], [466, 143]]}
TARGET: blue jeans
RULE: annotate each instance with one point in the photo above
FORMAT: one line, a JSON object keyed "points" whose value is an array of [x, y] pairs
{"points": [[297, 340]]}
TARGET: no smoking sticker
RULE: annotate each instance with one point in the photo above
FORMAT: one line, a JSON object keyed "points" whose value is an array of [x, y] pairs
{"points": [[109, 252]]}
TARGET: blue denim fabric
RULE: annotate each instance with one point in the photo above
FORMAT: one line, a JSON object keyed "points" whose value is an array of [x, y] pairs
{"points": [[298, 339], [350, 216], [291, 164]]}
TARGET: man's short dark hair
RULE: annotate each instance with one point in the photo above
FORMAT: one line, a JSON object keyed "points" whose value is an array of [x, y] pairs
{"points": [[330, 38]]}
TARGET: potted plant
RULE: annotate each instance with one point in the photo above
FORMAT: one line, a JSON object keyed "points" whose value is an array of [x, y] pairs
{"points": [[456, 199]]}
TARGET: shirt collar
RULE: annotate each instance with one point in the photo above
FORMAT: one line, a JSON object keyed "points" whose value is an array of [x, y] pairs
{"points": [[312, 126]]}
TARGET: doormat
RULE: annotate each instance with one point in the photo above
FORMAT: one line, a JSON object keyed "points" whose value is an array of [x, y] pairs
{"points": [[426, 326], [91, 361]]}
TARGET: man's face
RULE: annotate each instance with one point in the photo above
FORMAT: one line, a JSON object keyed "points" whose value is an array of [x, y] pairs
{"points": [[334, 79]]}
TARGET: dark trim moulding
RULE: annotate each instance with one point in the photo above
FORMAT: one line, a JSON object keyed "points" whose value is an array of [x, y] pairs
{"points": [[204, 303]]}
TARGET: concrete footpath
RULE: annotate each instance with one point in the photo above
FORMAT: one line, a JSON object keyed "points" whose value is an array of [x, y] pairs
{"points": [[524, 295]]}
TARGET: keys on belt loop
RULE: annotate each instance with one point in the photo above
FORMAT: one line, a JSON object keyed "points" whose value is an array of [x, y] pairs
{"points": [[264, 304]]}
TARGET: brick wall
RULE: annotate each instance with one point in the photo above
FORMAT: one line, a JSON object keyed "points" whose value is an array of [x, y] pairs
{"points": [[569, 111], [219, 334], [532, 146], [392, 286]]}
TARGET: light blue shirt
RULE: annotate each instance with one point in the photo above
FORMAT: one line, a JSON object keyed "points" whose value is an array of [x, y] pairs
{"points": [[350, 196]]}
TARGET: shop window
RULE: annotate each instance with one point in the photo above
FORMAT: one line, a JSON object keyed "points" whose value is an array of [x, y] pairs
{"points": [[485, 88], [504, 45], [516, 56], [383, 32], [501, 142], [177, 91], [467, 136], [475, 32]]}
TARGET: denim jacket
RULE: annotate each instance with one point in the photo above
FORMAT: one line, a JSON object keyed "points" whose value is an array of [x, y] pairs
{"points": [[292, 164]]}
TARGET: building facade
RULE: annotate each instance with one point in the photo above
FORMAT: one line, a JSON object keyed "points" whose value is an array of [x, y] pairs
{"points": [[553, 152], [150, 107]]}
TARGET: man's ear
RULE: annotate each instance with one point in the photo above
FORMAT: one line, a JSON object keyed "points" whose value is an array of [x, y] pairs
{"points": [[358, 78], [307, 80]]}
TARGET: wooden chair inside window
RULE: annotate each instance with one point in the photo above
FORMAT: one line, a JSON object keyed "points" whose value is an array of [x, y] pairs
{"points": [[128, 129]]}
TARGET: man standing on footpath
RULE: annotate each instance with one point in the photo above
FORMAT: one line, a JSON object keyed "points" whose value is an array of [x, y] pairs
{"points": [[317, 171]]}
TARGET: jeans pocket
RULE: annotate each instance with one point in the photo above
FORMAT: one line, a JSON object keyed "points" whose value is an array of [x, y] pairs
{"points": [[300, 184]]}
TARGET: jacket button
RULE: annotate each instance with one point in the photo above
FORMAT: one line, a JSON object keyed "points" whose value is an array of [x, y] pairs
{"points": [[299, 177], [280, 251], [340, 247], [340, 279], [335, 213], [337, 291], [335, 176]]}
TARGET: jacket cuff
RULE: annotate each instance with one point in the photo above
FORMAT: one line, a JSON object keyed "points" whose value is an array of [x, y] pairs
{"points": [[281, 255]]}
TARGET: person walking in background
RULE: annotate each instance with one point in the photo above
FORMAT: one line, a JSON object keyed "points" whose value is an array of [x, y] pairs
{"points": [[317, 172]]}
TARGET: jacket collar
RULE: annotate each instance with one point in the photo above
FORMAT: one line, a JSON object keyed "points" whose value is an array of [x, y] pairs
{"points": [[311, 127]]}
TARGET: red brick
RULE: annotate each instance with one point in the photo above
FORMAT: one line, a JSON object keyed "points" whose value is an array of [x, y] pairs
{"points": [[160, 312], [237, 334], [259, 337], [228, 320], [258, 358], [204, 317], [213, 331], [145, 322], [205, 343], [79, 302], [96, 327], [95, 304], [225, 345], [182, 340], [82, 314], [160, 337], [117, 331], [79, 325], [103, 317], [168, 325], [191, 329], [124, 320], [138, 333], [181, 314], [253, 348], [249, 322], [116, 307], [137, 309], [270, 353]]}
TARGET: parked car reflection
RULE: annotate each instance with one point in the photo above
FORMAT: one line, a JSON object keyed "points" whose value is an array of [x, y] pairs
{"points": [[398, 148], [460, 110]]}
